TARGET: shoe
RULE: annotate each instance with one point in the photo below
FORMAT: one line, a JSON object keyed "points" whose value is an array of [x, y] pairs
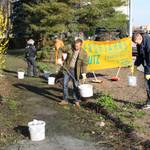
{"points": [[145, 107], [77, 104], [63, 103]]}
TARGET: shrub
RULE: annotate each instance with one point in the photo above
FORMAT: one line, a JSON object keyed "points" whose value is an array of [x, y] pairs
{"points": [[3, 38], [44, 53], [46, 67], [43, 67], [107, 102]]}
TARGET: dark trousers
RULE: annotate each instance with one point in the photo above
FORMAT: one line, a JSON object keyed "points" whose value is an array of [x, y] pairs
{"points": [[148, 91], [67, 78], [32, 68]]}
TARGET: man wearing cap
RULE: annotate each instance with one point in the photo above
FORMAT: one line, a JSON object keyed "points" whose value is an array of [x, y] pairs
{"points": [[30, 55]]}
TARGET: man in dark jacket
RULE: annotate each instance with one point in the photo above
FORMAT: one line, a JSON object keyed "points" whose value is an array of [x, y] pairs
{"points": [[76, 64], [30, 55], [143, 57]]}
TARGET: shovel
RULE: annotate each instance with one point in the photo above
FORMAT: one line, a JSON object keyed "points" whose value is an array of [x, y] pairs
{"points": [[77, 84], [116, 78]]}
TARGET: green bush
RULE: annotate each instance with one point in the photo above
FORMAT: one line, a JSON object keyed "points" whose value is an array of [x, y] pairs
{"points": [[43, 67], [107, 102], [46, 67], [44, 53]]}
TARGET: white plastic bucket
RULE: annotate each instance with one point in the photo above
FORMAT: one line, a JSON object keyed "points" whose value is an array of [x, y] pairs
{"points": [[21, 74], [51, 80], [86, 90], [132, 81], [37, 130]]}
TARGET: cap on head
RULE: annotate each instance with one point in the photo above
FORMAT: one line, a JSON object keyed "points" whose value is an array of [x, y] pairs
{"points": [[30, 42]]}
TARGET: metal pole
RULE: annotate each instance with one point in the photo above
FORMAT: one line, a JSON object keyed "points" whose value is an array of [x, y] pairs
{"points": [[130, 17]]}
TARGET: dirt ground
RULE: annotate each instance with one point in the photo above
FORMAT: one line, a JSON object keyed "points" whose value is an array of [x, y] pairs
{"points": [[120, 90], [123, 93], [68, 128]]}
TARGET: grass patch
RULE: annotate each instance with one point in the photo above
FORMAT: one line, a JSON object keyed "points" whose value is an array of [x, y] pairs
{"points": [[107, 102], [10, 103], [126, 113], [138, 113]]}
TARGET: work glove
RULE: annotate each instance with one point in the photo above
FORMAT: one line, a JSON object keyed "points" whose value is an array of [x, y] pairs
{"points": [[60, 62], [84, 76], [147, 77]]}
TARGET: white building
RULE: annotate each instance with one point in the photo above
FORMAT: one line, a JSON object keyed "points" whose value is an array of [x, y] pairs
{"points": [[146, 28]]}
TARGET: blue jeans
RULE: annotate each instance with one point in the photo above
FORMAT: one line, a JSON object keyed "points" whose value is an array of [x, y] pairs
{"points": [[67, 78], [32, 68], [148, 91]]}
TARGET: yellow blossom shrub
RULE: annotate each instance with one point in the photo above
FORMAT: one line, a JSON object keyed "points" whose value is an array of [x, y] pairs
{"points": [[3, 37]]}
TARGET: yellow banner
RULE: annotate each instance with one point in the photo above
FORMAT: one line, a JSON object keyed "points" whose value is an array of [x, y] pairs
{"points": [[109, 54]]}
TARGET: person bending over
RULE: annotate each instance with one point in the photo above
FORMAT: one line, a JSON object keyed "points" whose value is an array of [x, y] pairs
{"points": [[143, 57]]}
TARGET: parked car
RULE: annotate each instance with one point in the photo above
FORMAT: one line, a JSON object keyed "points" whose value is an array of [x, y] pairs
{"points": [[103, 34]]}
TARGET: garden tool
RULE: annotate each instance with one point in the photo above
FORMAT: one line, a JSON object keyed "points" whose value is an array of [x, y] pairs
{"points": [[77, 84], [134, 70], [116, 78], [96, 80]]}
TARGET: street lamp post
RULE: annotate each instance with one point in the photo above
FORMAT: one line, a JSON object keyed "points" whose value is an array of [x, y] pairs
{"points": [[130, 17]]}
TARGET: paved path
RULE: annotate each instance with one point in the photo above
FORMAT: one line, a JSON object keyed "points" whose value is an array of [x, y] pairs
{"points": [[55, 143]]}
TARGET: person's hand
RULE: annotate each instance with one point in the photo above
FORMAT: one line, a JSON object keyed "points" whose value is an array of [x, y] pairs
{"points": [[84, 76], [60, 62], [147, 77]]}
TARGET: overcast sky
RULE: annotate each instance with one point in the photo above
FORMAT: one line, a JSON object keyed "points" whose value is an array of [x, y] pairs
{"points": [[141, 12]]}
